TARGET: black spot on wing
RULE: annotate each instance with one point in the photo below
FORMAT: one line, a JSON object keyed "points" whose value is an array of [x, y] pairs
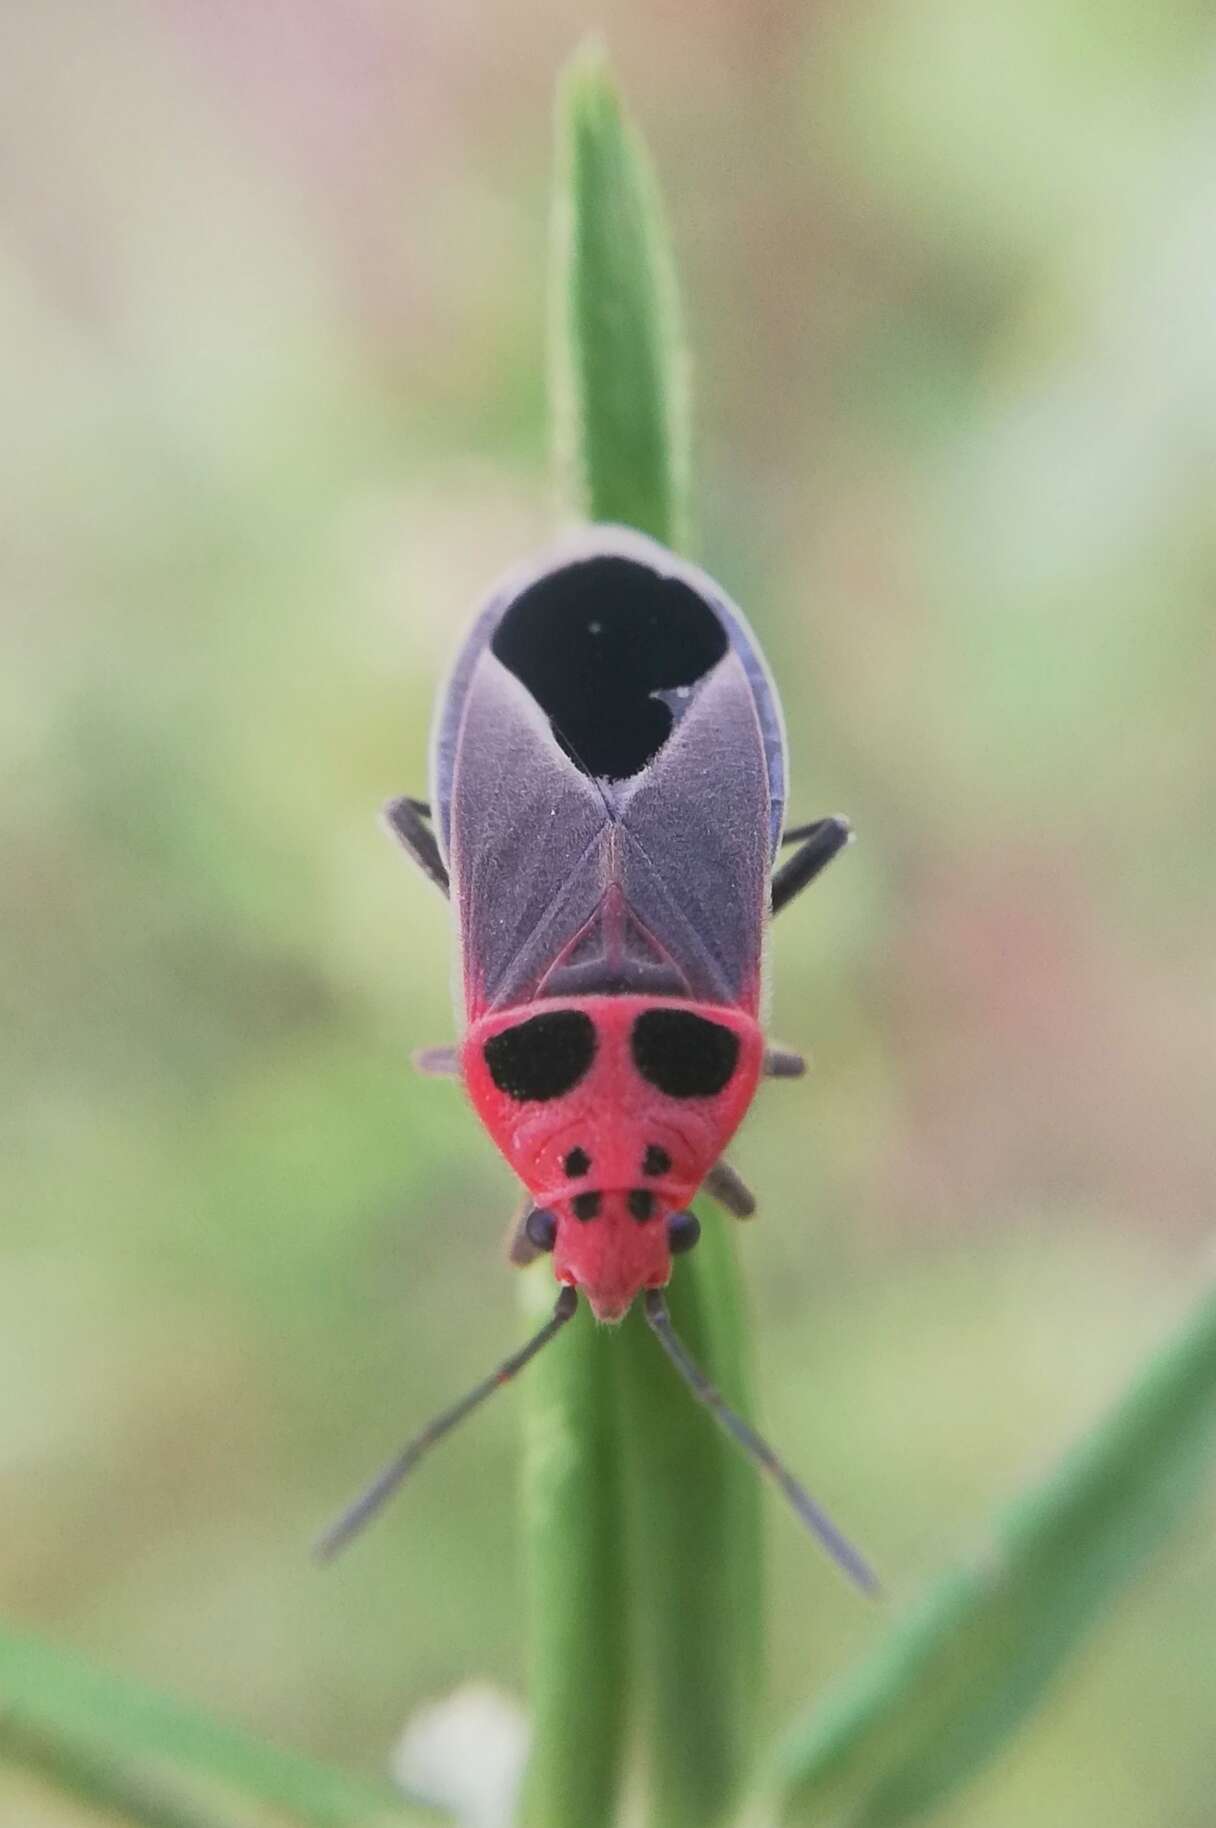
{"points": [[542, 1057], [683, 1055], [593, 643]]}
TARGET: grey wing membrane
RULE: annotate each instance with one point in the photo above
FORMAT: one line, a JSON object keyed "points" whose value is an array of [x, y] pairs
{"points": [[529, 840], [694, 864]]}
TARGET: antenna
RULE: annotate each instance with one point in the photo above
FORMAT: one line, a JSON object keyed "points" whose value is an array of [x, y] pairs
{"points": [[382, 1488], [754, 1446]]}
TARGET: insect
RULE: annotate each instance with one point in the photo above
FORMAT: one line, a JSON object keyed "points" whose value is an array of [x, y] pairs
{"points": [[607, 804]]}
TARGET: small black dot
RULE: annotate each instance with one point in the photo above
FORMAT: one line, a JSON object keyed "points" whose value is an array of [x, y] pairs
{"points": [[641, 1204], [656, 1160], [586, 1205], [577, 1163]]}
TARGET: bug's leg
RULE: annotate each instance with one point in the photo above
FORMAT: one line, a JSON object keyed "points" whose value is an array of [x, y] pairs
{"points": [[436, 1062], [783, 1063], [793, 834], [406, 819], [725, 1186], [822, 841]]}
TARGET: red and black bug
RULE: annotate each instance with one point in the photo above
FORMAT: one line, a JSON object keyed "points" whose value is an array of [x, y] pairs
{"points": [[608, 796]]}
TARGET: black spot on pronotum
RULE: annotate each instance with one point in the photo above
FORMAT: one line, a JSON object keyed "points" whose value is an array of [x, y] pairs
{"points": [[655, 1160], [542, 1057], [594, 642], [586, 1206], [577, 1163], [684, 1055], [641, 1204], [541, 1227], [683, 1230]]}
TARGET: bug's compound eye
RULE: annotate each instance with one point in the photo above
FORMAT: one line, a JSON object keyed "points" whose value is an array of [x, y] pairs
{"points": [[541, 1228], [577, 1163], [684, 1055], [656, 1160], [542, 1057], [641, 1204], [683, 1230], [586, 1206]]}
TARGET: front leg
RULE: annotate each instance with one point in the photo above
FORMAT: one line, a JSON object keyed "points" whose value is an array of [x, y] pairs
{"points": [[821, 842], [407, 820]]}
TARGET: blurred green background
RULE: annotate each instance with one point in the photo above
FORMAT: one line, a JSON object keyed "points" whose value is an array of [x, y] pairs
{"points": [[273, 284]]}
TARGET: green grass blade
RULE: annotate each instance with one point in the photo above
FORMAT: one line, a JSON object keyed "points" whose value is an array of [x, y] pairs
{"points": [[963, 1671], [90, 1724], [619, 1453], [620, 395], [573, 1522], [695, 1505], [116, 1789]]}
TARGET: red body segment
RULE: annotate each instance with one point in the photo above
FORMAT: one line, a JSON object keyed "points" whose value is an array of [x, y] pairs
{"points": [[631, 1151]]}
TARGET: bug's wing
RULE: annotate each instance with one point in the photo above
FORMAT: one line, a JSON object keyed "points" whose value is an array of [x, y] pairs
{"points": [[695, 858], [529, 839], [583, 859]]}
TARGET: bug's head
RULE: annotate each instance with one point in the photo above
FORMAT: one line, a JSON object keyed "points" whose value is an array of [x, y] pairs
{"points": [[614, 1246]]}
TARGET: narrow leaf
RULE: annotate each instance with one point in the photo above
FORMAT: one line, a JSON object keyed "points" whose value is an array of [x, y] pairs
{"points": [[958, 1677], [118, 1788], [573, 1524], [620, 395], [697, 1571], [74, 1712]]}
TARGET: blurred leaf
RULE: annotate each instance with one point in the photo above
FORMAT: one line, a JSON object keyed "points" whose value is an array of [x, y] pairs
{"points": [[70, 1719], [958, 1677], [97, 1779], [614, 1441]]}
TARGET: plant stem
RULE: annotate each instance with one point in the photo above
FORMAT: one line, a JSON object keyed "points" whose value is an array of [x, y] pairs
{"points": [[578, 1584]]}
